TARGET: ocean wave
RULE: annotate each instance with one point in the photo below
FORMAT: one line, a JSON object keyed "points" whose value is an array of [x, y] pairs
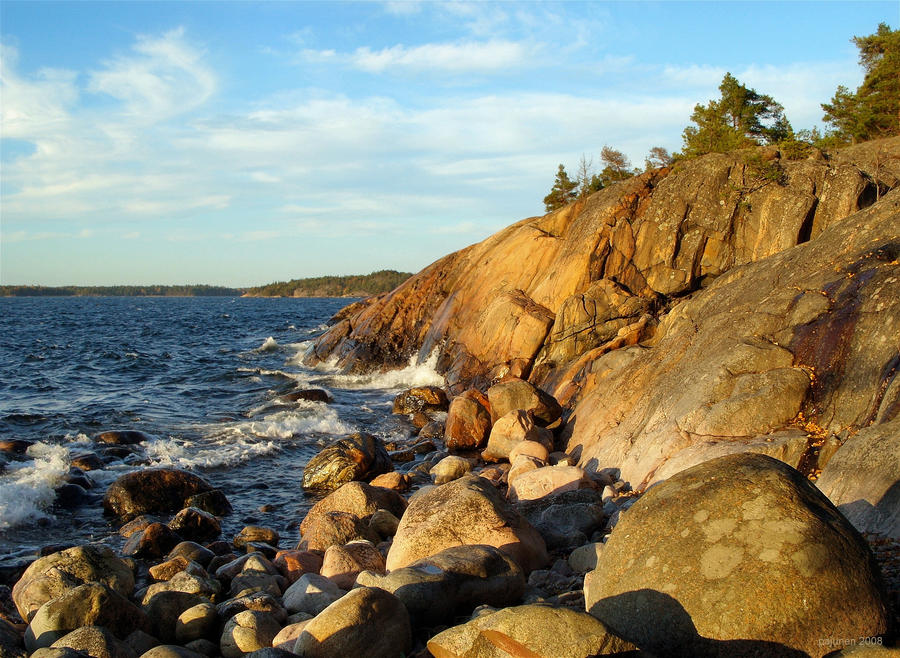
{"points": [[269, 345], [309, 418], [27, 490], [414, 374], [191, 454]]}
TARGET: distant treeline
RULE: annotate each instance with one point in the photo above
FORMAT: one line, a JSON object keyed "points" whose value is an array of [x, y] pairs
{"points": [[119, 291], [359, 285]]}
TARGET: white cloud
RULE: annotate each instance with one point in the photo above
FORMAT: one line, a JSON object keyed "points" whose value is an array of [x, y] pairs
{"points": [[264, 177], [34, 107]]}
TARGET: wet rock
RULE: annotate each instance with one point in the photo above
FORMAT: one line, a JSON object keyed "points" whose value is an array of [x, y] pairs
{"points": [[213, 502], [468, 421], [86, 461], [156, 540], [311, 594], [516, 394], [91, 604], [255, 533], [451, 582], [123, 437], [433, 429], [70, 496], [530, 630], [14, 447], [11, 645], [309, 395], [196, 525], [739, 554], [420, 398], [366, 622], [466, 511], [50, 576], [357, 457], [152, 490], [194, 552], [246, 632], [342, 564]]}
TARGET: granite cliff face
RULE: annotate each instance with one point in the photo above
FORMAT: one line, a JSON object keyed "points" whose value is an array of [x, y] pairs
{"points": [[730, 303]]}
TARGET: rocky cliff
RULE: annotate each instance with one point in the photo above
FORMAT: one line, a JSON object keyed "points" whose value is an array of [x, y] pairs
{"points": [[729, 303]]}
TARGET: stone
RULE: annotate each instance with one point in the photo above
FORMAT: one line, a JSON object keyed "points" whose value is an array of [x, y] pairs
{"points": [[258, 601], [287, 636], [738, 554], [466, 511], [565, 519], [91, 604], [50, 576], [468, 421], [247, 631], [342, 564], [154, 541], [451, 467], [861, 479], [196, 525], [548, 480], [292, 563], [530, 630], [172, 651], [312, 593], [255, 533], [357, 498], [356, 457], [164, 609], [366, 622], [213, 502], [69, 496], [11, 641], [140, 642], [528, 448], [586, 558], [334, 529], [183, 581], [383, 523], [198, 621], [512, 429], [309, 395], [233, 567], [516, 394], [248, 582], [123, 437], [96, 642], [523, 464], [452, 582], [166, 570], [152, 491], [420, 398], [399, 482]]}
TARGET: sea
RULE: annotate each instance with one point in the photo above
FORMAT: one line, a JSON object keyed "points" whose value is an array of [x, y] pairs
{"points": [[203, 376]]}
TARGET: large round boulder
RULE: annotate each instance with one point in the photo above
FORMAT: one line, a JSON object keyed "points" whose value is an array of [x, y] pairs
{"points": [[465, 511], [468, 421], [512, 429], [515, 393], [152, 491], [357, 498], [356, 457], [740, 555], [365, 622], [49, 576], [420, 398]]}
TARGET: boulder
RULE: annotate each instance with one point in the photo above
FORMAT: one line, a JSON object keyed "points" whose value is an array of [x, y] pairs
{"points": [[384, 524], [311, 594], [213, 502], [172, 651], [740, 555], [247, 631], [91, 604], [546, 481], [420, 398], [152, 491], [334, 529], [456, 580], [466, 511], [531, 449], [257, 601], [468, 421], [49, 576], [123, 437], [293, 563], [164, 609], [11, 645], [530, 630], [863, 479], [342, 564], [193, 552], [399, 482], [198, 621], [201, 584], [96, 642], [166, 570], [309, 395], [450, 468], [516, 394], [256, 533], [156, 540], [586, 557], [356, 498], [565, 519], [197, 525], [366, 622], [356, 457], [510, 430]]}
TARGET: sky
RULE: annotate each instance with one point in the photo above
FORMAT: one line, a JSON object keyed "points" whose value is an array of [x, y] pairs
{"points": [[240, 143]]}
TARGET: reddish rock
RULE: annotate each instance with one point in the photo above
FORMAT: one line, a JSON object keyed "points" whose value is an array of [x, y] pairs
{"points": [[468, 421], [293, 563]]}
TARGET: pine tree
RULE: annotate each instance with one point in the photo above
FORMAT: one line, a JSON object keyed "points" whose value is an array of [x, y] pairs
{"points": [[563, 191]]}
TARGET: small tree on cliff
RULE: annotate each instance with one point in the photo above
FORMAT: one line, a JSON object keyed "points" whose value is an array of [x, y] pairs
{"points": [[741, 117], [658, 157], [563, 191], [588, 181], [617, 166], [874, 109]]}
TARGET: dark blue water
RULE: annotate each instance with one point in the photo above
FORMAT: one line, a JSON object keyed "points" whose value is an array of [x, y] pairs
{"points": [[203, 375]]}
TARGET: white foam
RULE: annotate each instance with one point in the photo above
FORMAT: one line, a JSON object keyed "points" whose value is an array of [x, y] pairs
{"points": [[304, 419], [269, 345], [189, 454], [27, 489], [414, 374]]}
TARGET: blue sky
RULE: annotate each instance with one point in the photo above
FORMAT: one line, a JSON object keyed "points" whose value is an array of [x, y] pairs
{"points": [[242, 143]]}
